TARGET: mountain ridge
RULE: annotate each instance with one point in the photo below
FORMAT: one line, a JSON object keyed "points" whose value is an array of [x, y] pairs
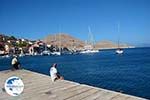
{"points": [[66, 40]]}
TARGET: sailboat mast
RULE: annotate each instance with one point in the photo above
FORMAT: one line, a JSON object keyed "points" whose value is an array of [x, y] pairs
{"points": [[118, 35], [119, 50], [59, 40], [90, 37]]}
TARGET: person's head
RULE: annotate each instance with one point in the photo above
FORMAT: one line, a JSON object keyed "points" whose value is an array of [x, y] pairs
{"points": [[54, 65]]}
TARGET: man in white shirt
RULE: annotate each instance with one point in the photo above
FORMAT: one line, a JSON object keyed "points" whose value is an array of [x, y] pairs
{"points": [[54, 73], [15, 63]]}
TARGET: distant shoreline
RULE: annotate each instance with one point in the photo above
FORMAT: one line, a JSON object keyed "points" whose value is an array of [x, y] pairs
{"points": [[122, 48], [116, 48]]}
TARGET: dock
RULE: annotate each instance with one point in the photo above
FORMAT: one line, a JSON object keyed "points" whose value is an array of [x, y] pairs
{"points": [[40, 87]]}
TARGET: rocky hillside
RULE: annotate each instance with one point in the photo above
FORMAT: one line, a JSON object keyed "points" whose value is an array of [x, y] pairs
{"points": [[65, 40], [109, 45]]}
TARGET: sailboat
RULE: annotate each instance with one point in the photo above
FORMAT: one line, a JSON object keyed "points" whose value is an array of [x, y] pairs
{"points": [[88, 48], [45, 52], [119, 50], [22, 53], [58, 53]]}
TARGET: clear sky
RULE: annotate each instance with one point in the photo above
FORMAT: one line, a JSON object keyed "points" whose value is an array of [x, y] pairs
{"points": [[35, 19]]}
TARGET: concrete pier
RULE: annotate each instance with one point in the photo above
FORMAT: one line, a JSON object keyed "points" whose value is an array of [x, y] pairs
{"points": [[40, 87]]}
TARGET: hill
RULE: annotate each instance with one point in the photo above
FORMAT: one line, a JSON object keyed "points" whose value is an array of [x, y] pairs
{"points": [[65, 40], [105, 44]]}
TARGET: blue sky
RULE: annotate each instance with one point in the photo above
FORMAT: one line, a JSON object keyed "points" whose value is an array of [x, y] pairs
{"points": [[35, 19]]}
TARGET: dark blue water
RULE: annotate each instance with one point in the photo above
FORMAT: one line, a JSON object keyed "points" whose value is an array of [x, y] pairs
{"points": [[128, 73]]}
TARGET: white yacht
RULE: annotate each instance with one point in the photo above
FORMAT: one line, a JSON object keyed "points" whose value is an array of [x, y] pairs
{"points": [[22, 53], [46, 52], [57, 53], [89, 51], [88, 48], [119, 50]]}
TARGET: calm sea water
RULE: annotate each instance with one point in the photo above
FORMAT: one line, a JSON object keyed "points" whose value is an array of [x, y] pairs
{"points": [[128, 73]]}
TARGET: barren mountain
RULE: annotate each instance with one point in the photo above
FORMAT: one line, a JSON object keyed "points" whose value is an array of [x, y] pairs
{"points": [[65, 40], [109, 45]]}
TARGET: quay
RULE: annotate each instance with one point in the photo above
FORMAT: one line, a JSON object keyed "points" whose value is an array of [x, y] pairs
{"points": [[40, 87]]}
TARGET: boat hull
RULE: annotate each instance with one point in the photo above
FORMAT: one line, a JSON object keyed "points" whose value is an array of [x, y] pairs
{"points": [[89, 51], [119, 51]]}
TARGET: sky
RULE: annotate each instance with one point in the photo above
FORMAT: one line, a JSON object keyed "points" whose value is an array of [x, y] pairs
{"points": [[35, 19]]}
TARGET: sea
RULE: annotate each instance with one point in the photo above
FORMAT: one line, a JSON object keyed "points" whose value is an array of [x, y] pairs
{"points": [[128, 73]]}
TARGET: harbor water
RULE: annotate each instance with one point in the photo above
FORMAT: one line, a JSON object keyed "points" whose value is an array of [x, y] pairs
{"points": [[127, 73]]}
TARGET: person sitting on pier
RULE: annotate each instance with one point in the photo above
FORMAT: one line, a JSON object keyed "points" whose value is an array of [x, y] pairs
{"points": [[54, 73], [15, 63]]}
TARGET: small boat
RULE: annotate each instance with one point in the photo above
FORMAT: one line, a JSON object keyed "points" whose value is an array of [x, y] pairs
{"points": [[2, 53], [21, 55], [89, 51], [119, 51], [56, 53], [5, 56], [46, 53], [89, 47]]}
